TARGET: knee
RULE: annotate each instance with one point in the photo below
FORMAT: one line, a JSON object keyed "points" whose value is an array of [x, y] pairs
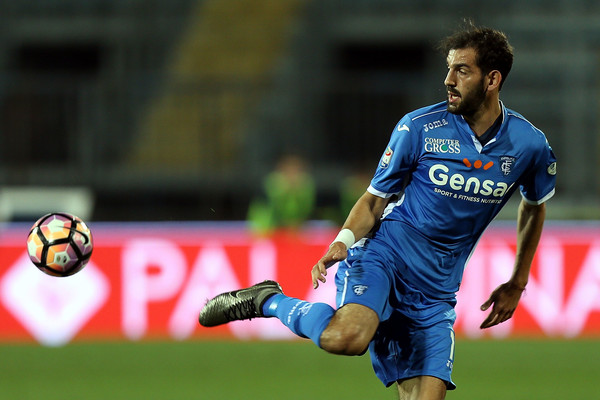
{"points": [[350, 330], [350, 340]]}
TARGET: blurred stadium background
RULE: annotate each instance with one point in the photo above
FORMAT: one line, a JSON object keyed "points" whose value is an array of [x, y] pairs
{"points": [[131, 113]]}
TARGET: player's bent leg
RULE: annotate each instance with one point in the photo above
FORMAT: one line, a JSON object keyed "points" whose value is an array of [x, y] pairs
{"points": [[422, 388], [350, 330]]}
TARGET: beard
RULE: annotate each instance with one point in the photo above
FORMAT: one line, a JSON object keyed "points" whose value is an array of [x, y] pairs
{"points": [[470, 103]]}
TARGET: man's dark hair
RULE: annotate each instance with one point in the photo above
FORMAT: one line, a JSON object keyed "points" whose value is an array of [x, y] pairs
{"points": [[491, 46]]}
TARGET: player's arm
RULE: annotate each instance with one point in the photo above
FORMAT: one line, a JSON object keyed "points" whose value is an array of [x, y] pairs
{"points": [[363, 216], [506, 297]]}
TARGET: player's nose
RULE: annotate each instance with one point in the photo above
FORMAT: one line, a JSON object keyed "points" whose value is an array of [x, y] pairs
{"points": [[449, 80]]}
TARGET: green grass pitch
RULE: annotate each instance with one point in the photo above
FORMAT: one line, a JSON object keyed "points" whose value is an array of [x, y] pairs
{"points": [[511, 369]]}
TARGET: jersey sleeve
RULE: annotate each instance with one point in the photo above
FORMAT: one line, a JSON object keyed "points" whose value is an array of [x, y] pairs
{"points": [[538, 185], [397, 161]]}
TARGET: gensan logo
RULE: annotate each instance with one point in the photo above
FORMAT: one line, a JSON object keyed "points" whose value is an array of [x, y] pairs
{"points": [[439, 175]]}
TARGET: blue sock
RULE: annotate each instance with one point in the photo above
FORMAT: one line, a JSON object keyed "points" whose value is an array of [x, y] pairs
{"points": [[305, 319]]}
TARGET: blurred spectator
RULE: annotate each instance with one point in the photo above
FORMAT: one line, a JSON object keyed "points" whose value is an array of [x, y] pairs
{"points": [[288, 197], [351, 188]]}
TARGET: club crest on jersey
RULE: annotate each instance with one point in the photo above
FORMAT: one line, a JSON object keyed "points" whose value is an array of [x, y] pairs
{"points": [[506, 164], [359, 290], [387, 157]]}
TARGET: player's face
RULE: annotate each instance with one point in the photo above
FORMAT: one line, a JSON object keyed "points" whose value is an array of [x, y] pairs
{"points": [[464, 82]]}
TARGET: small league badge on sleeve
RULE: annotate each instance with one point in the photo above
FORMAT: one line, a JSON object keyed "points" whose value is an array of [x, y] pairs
{"points": [[552, 169], [387, 157]]}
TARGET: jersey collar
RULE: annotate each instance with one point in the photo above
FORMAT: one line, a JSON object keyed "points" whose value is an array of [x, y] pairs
{"points": [[465, 127]]}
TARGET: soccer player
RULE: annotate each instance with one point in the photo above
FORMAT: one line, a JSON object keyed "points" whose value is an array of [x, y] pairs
{"points": [[448, 170]]}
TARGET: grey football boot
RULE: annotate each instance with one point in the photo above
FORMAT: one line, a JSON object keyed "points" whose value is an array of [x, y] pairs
{"points": [[238, 304]]}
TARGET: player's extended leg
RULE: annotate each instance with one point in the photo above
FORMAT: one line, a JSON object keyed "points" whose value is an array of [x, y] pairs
{"points": [[422, 388], [347, 331]]}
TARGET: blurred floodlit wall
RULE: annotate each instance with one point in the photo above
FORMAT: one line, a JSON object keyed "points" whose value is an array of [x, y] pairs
{"points": [[149, 280], [175, 109]]}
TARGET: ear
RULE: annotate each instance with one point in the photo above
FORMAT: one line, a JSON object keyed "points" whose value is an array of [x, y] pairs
{"points": [[494, 78]]}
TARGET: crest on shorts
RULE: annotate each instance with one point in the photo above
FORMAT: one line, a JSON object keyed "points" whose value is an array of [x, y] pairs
{"points": [[359, 289]]}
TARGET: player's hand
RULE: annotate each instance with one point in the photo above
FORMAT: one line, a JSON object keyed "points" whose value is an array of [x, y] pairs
{"points": [[337, 252], [504, 300]]}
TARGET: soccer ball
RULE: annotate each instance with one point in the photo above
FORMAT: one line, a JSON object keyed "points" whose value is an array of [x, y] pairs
{"points": [[59, 244]]}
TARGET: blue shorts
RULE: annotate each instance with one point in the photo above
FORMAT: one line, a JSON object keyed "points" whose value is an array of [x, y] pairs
{"points": [[415, 336]]}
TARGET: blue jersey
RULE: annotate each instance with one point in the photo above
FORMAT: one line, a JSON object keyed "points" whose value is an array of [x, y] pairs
{"points": [[449, 188]]}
